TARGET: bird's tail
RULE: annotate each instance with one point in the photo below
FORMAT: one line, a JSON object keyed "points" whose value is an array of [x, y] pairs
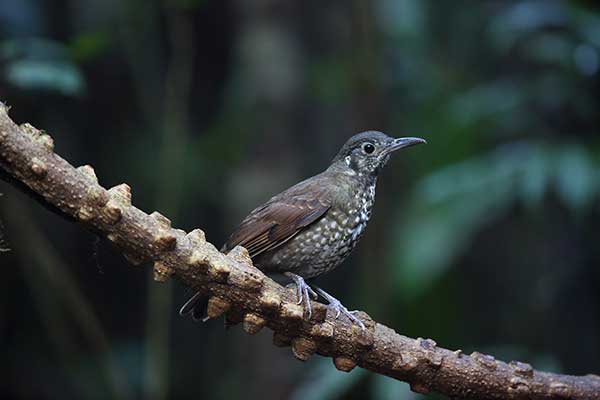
{"points": [[196, 307]]}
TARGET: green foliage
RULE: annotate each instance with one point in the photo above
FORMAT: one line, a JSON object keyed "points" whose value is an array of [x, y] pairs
{"points": [[385, 388], [324, 382], [451, 205], [327, 383], [89, 46], [41, 64]]}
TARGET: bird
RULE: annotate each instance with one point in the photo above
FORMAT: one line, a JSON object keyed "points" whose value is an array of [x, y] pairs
{"points": [[310, 229]]}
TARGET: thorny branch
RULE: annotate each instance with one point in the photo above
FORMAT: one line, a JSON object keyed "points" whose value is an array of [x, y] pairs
{"points": [[245, 295]]}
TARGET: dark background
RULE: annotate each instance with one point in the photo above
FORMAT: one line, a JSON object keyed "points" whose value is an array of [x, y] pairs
{"points": [[485, 239]]}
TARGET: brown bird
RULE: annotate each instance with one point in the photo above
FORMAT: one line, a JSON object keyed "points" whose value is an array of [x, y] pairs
{"points": [[310, 228]]}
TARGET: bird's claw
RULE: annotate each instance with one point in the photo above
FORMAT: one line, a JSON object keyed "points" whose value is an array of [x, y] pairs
{"points": [[339, 309], [336, 306], [304, 293]]}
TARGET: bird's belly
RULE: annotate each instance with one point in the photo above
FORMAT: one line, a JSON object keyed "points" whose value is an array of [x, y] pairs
{"points": [[318, 249]]}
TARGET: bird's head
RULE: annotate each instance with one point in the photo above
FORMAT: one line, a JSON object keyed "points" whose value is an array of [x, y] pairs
{"points": [[367, 152]]}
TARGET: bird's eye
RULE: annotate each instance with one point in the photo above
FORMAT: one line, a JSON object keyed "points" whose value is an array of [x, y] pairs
{"points": [[368, 148]]}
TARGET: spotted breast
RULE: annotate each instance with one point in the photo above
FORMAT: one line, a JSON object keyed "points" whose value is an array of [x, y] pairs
{"points": [[328, 242]]}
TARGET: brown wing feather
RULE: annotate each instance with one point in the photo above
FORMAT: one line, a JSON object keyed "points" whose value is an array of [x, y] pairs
{"points": [[280, 219]]}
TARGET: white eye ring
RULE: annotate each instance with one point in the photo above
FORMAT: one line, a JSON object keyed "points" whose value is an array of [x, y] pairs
{"points": [[368, 148]]}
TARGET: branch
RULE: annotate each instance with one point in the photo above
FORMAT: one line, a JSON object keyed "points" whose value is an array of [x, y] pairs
{"points": [[242, 292]]}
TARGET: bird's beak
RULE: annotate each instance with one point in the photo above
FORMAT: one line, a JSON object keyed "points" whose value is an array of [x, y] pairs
{"points": [[401, 143]]}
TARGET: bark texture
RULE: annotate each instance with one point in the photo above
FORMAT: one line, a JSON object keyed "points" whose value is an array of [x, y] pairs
{"points": [[245, 295]]}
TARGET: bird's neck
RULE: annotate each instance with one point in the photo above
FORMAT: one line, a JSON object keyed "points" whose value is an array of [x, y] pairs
{"points": [[342, 168], [359, 180]]}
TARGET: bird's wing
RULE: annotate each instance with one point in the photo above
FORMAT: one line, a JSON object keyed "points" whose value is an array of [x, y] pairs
{"points": [[281, 218]]}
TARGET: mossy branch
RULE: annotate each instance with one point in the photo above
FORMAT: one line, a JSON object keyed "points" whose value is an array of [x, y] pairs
{"points": [[245, 295]]}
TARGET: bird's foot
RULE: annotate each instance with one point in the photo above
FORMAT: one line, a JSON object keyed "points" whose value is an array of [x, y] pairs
{"points": [[305, 292], [339, 308]]}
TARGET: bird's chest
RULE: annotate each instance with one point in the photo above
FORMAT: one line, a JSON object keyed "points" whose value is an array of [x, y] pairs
{"points": [[324, 245], [356, 213], [337, 234]]}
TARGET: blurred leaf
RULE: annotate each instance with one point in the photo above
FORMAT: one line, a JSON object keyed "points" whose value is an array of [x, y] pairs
{"points": [[34, 48], [578, 180], [551, 48], [39, 64], [588, 25], [385, 388], [88, 46], [45, 75], [486, 101], [523, 17], [325, 382], [586, 59], [535, 178], [21, 18], [450, 206], [432, 238], [552, 90], [401, 17], [331, 80]]}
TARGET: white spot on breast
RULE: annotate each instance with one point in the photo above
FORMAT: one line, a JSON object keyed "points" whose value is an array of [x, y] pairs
{"points": [[358, 231]]}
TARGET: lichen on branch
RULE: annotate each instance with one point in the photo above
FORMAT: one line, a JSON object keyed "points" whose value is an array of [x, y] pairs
{"points": [[245, 295]]}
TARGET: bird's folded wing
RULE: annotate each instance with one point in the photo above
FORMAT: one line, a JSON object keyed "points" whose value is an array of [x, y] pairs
{"points": [[276, 222]]}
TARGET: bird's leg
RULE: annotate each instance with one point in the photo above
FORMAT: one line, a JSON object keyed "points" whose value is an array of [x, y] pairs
{"points": [[339, 308], [304, 291]]}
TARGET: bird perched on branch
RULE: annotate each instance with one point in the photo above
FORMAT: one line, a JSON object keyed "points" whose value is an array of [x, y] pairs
{"points": [[310, 228]]}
